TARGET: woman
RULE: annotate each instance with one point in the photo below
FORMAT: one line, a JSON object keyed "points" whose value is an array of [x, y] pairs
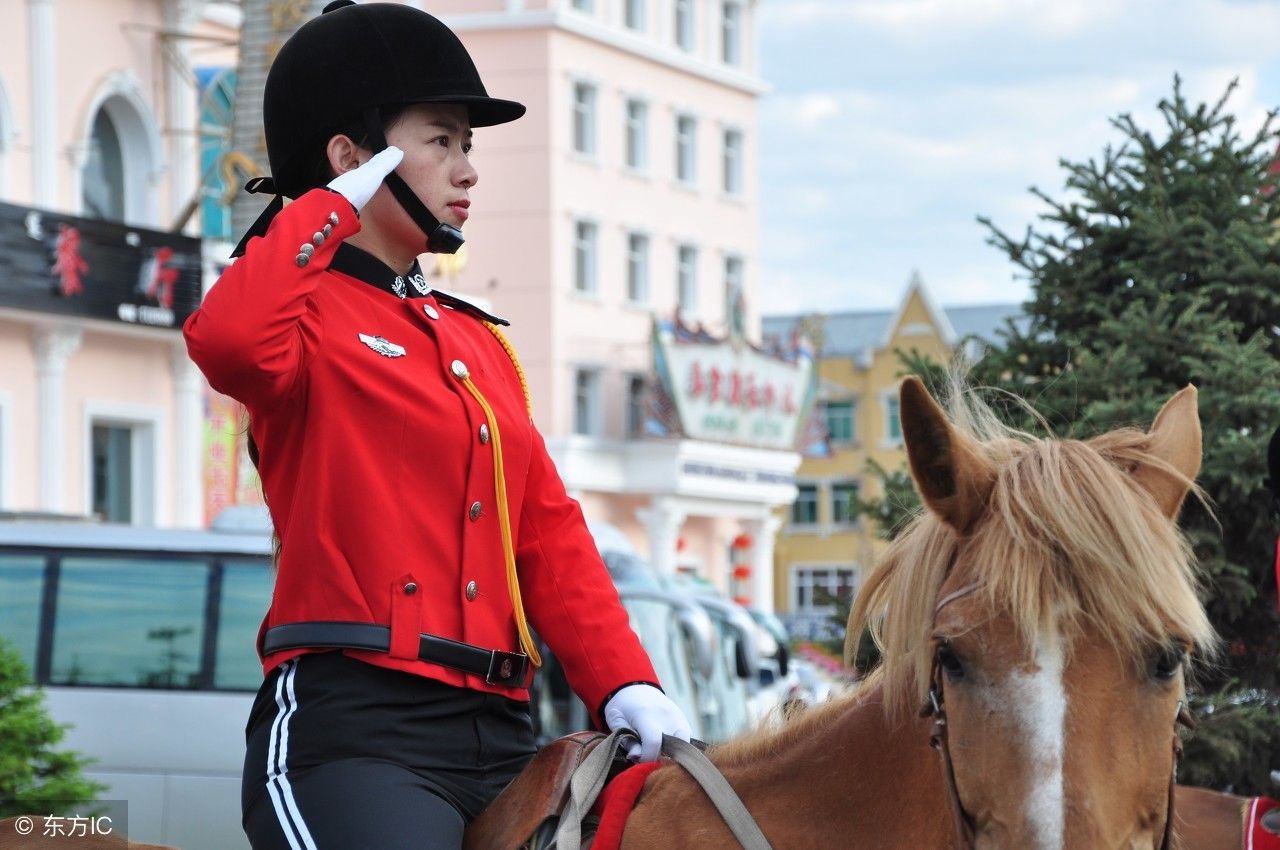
{"points": [[418, 512]]}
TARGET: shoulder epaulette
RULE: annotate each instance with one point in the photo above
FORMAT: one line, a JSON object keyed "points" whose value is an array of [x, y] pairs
{"points": [[459, 304]]}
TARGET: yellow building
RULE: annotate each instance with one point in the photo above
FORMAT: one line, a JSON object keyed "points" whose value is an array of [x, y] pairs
{"points": [[822, 544]]}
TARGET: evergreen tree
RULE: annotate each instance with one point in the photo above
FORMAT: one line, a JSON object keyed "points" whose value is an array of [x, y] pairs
{"points": [[1162, 268], [35, 777]]}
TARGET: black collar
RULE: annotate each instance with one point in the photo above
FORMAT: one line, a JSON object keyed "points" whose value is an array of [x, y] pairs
{"points": [[362, 265]]}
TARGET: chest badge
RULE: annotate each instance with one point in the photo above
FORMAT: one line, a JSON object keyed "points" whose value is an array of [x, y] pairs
{"points": [[383, 346]]}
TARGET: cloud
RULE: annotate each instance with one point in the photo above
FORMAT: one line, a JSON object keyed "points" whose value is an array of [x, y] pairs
{"points": [[894, 124]]}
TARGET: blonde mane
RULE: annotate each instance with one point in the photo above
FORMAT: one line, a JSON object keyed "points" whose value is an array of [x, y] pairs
{"points": [[1069, 535]]}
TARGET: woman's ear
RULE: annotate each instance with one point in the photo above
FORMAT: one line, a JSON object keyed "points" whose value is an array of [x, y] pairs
{"points": [[343, 154]]}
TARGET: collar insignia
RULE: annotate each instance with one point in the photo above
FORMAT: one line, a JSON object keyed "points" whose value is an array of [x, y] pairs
{"points": [[382, 346]]}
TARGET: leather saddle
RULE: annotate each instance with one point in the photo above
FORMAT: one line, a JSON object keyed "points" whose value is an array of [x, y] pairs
{"points": [[525, 815]]}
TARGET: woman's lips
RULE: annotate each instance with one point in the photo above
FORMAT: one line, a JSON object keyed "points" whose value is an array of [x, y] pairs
{"points": [[460, 209]]}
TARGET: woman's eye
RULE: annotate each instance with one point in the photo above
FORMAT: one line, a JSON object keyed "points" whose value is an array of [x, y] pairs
{"points": [[1168, 662]]}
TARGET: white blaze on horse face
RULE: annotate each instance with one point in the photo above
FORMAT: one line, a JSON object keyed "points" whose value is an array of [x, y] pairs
{"points": [[1039, 699]]}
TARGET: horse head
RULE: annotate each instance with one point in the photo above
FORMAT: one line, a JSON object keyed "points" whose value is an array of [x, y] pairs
{"points": [[1044, 606]]}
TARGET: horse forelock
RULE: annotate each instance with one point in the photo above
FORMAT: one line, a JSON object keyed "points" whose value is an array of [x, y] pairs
{"points": [[1069, 542]]}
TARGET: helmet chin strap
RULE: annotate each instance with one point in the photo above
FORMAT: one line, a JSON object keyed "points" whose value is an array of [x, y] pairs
{"points": [[441, 238]]}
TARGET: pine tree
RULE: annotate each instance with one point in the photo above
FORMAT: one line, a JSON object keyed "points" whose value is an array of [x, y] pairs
{"points": [[1162, 268], [35, 777]]}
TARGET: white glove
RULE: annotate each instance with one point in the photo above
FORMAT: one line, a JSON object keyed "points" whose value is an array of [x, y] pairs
{"points": [[359, 184], [649, 713]]}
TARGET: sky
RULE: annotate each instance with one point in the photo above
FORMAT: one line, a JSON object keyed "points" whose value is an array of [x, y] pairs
{"points": [[891, 125]]}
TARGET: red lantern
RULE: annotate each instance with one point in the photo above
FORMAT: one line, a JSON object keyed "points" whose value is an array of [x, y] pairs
{"points": [[742, 572], [742, 600], [742, 541]]}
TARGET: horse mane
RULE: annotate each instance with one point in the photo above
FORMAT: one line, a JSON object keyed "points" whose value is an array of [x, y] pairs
{"points": [[1069, 537]]}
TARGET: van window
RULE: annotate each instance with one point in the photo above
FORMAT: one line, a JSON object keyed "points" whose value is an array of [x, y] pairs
{"points": [[21, 582], [246, 594], [130, 621]]}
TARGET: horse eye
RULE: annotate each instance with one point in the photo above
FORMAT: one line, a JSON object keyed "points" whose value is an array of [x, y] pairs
{"points": [[950, 662], [1169, 662]]}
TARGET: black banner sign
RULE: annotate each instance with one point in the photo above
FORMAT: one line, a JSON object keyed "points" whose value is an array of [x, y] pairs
{"points": [[70, 266]]}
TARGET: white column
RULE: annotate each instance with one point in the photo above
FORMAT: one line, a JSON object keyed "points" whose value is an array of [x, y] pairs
{"points": [[181, 106], [662, 519], [44, 102], [54, 346], [188, 439], [763, 532]]}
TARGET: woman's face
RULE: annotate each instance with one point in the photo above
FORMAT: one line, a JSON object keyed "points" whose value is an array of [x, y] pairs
{"points": [[436, 140]]}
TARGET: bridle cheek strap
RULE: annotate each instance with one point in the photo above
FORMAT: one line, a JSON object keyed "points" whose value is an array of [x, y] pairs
{"points": [[441, 238]]}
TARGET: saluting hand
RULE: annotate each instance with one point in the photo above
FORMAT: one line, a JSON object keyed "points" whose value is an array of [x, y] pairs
{"points": [[649, 713], [359, 184]]}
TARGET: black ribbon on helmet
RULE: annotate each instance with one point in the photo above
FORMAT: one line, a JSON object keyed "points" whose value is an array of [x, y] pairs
{"points": [[441, 238], [260, 186]]}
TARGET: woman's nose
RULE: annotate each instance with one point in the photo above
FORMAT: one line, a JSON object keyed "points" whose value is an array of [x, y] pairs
{"points": [[466, 175]]}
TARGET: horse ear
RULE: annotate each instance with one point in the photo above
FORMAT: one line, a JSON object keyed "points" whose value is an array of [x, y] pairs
{"points": [[953, 477], [1175, 439]]}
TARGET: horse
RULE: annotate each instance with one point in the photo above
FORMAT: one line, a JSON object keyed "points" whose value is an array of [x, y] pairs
{"points": [[1043, 607], [1209, 820]]}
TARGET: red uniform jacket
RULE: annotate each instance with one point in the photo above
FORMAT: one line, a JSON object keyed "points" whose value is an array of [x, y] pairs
{"points": [[377, 473]]}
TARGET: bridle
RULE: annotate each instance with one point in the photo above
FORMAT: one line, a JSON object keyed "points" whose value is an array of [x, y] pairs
{"points": [[935, 707]]}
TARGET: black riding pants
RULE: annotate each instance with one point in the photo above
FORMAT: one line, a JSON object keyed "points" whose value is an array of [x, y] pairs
{"points": [[343, 755]]}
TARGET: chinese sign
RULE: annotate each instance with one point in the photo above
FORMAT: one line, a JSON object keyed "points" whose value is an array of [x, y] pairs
{"points": [[733, 393], [55, 263], [229, 476]]}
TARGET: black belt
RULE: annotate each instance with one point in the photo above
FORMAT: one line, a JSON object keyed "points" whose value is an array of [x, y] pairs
{"points": [[497, 667]]}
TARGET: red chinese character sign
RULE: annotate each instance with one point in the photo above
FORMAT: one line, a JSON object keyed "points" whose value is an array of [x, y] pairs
{"points": [[68, 265], [730, 393]]}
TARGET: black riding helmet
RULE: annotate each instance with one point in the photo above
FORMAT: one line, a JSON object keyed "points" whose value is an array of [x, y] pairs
{"points": [[346, 65]]}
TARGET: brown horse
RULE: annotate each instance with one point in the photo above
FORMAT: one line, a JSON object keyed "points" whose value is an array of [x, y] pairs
{"points": [[1208, 820], [1048, 601]]}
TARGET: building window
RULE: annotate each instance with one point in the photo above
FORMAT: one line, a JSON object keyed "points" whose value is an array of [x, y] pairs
{"points": [[731, 169], [636, 386], [731, 33], [686, 149], [686, 279], [893, 421], [816, 590], [584, 257], [804, 511], [637, 268], [635, 15], [684, 24], [844, 502], [584, 118], [637, 153], [21, 582], [103, 180], [838, 417], [586, 402], [112, 453]]}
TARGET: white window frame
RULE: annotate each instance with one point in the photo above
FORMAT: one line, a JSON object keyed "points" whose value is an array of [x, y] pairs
{"points": [[141, 145], [683, 24], [595, 419], [635, 136], [586, 258], [635, 15], [8, 456], [831, 502], [889, 400], [687, 278], [793, 585], [587, 114], [8, 136], [817, 508], [148, 454], [731, 33], [638, 266], [852, 401], [686, 149], [732, 168]]}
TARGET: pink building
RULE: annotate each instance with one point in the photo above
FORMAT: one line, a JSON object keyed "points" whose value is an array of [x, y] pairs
{"points": [[628, 192]]}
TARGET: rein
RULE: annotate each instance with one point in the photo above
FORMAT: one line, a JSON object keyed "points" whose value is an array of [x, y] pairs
{"points": [[935, 707]]}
